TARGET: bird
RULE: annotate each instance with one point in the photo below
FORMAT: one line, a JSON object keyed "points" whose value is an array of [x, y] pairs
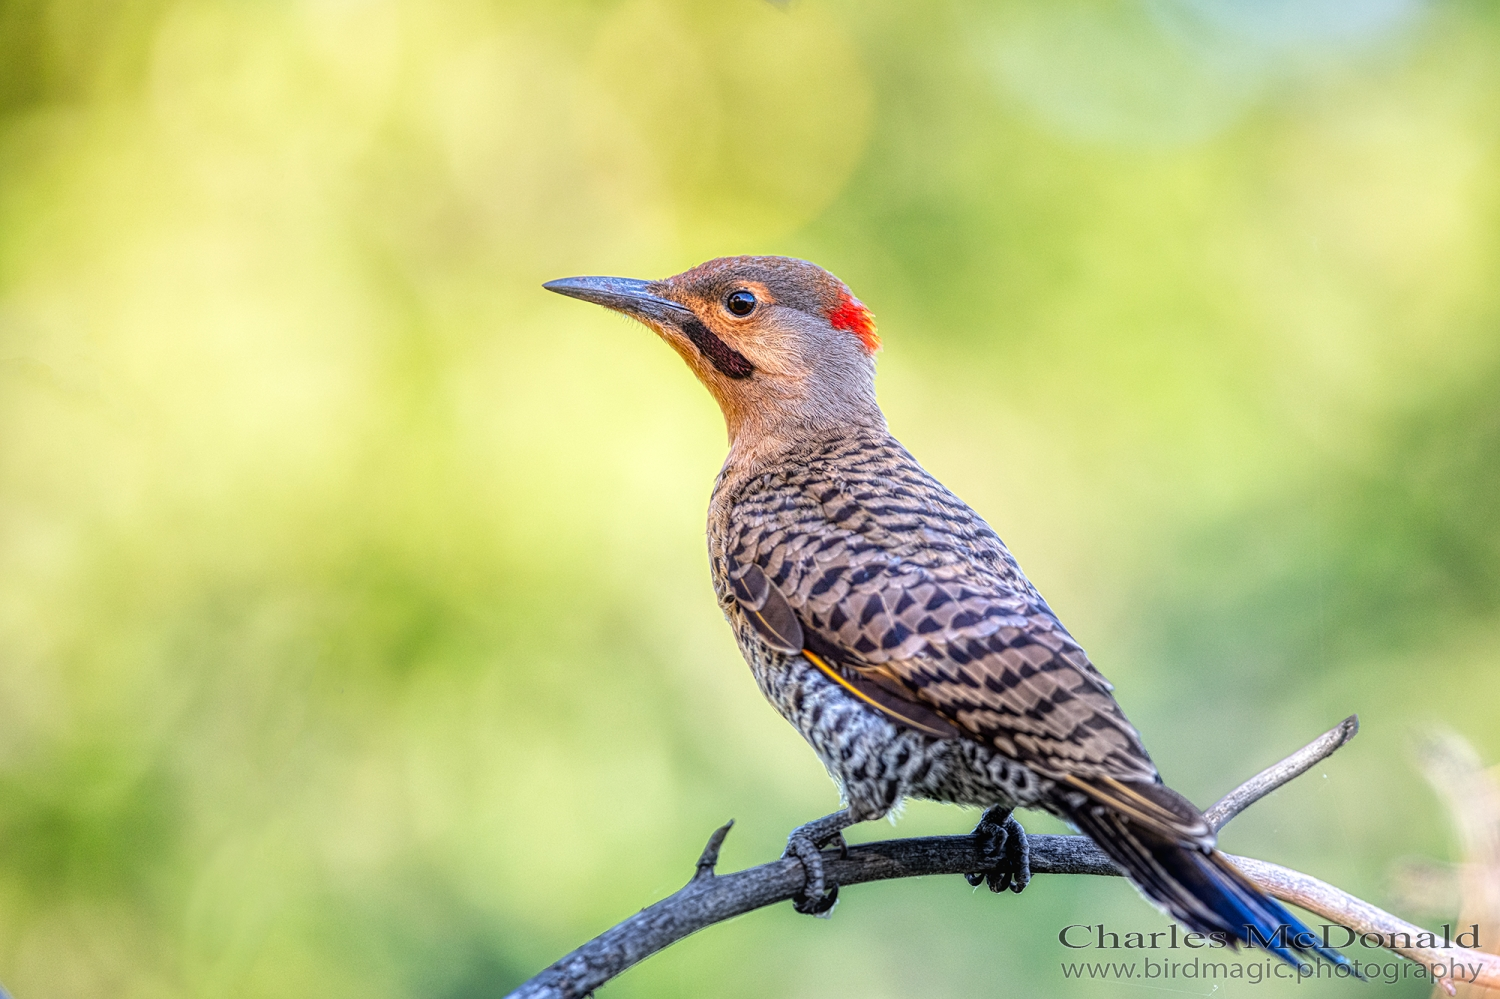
{"points": [[890, 624]]}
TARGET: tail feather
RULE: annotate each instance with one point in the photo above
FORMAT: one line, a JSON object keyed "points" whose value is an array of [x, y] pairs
{"points": [[1160, 841]]}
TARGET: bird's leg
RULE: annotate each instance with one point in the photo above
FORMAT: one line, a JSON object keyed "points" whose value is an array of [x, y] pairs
{"points": [[805, 843], [1007, 855]]}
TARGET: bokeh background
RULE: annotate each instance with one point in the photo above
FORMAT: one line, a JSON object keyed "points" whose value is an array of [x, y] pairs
{"points": [[355, 630]]}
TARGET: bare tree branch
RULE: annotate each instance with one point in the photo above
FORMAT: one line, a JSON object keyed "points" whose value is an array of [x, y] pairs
{"points": [[1361, 917], [1274, 776], [711, 898]]}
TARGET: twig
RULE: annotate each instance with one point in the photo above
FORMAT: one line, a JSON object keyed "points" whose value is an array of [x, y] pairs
{"points": [[1361, 917], [1274, 776], [709, 898]]}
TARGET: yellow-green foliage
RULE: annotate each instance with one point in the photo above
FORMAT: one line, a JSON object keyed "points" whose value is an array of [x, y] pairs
{"points": [[355, 629]]}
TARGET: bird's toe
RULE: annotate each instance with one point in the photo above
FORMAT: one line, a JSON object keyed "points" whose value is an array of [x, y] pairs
{"points": [[816, 897], [1004, 852]]}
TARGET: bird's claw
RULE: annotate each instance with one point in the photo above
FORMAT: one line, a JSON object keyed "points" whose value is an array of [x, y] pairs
{"points": [[1003, 847], [816, 897]]}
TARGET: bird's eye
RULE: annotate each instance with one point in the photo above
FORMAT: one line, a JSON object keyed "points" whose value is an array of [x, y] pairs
{"points": [[740, 302]]}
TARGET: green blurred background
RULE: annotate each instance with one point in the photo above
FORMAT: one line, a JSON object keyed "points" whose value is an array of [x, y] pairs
{"points": [[356, 636]]}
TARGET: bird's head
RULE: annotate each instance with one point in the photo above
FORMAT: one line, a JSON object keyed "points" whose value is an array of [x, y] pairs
{"points": [[781, 343]]}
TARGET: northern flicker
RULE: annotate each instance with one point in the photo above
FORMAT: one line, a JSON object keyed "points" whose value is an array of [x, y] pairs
{"points": [[890, 624]]}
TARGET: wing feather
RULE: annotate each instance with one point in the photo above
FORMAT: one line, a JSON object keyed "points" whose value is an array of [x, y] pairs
{"points": [[933, 625]]}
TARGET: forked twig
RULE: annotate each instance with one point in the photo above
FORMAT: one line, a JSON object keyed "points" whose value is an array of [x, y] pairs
{"points": [[711, 898]]}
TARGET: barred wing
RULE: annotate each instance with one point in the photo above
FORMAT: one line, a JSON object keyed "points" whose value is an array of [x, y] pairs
{"points": [[899, 600]]}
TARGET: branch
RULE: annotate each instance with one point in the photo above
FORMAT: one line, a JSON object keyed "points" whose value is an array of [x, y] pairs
{"points": [[1340, 907], [710, 898], [1274, 776]]}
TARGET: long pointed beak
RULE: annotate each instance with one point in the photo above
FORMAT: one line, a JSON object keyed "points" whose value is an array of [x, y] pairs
{"points": [[626, 295]]}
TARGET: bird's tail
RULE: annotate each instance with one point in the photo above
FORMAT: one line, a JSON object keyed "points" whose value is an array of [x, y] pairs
{"points": [[1167, 848]]}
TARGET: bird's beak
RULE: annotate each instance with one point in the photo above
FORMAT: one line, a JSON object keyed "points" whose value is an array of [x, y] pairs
{"points": [[627, 295]]}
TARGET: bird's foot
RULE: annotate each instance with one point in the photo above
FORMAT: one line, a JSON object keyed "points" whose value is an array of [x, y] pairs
{"points": [[817, 897], [1006, 854]]}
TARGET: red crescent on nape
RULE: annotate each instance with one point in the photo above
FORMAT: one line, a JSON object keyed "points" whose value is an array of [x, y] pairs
{"points": [[852, 316]]}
